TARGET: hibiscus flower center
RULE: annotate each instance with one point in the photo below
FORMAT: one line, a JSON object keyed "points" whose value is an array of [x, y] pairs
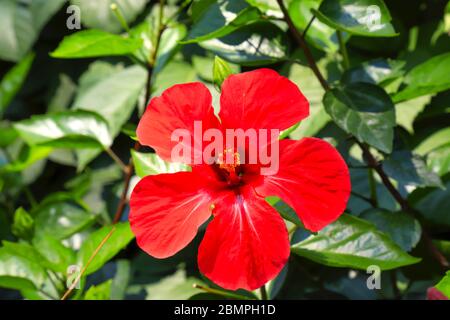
{"points": [[229, 165]]}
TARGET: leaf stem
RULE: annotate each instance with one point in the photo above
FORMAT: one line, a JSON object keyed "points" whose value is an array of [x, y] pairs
{"points": [[343, 49], [91, 258], [373, 187], [308, 25], [264, 295], [116, 159]]}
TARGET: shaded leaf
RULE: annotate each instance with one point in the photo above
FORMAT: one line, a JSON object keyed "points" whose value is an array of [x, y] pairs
{"points": [[150, 163]]}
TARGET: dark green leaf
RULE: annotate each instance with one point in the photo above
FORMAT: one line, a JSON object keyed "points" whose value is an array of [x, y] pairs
{"points": [[95, 43], [368, 18], [353, 243], [364, 110], [434, 206], [410, 170], [255, 44], [13, 81], [221, 18], [377, 71], [119, 239], [402, 228], [121, 279]]}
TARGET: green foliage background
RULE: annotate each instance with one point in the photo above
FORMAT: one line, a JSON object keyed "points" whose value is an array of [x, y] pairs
{"points": [[70, 101]]}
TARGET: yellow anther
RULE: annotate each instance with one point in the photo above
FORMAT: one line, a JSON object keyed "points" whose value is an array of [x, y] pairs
{"points": [[223, 160]]}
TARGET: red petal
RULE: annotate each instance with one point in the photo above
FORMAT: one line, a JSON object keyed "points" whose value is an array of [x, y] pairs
{"points": [[312, 178], [245, 245], [261, 99], [166, 211], [177, 108], [435, 294]]}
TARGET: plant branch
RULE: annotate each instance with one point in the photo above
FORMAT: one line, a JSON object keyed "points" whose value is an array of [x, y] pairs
{"points": [[343, 49], [308, 26], [129, 169], [221, 292], [96, 251], [370, 159], [263, 290]]}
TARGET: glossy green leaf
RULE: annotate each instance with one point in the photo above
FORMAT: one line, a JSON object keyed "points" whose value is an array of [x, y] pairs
{"points": [[28, 156], [98, 14], [13, 81], [319, 34], [95, 43], [113, 93], [18, 269], [221, 18], [119, 239], [370, 18], [69, 129], [256, 44], [23, 224], [21, 22], [401, 227], [221, 71], [353, 243], [365, 111], [121, 280], [428, 77], [410, 170], [57, 256], [407, 111], [377, 71], [150, 163], [61, 219]]}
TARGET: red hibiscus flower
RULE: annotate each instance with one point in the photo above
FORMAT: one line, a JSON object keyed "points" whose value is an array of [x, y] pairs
{"points": [[246, 243]]}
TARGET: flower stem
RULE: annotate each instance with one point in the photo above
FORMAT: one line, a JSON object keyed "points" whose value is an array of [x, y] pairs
{"points": [[120, 17], [343, 48], [373, 187], [221, 292], [264, 295]]}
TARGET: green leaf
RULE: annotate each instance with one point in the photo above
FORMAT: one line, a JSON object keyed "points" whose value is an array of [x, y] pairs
{"points": [[23, 224], [221, 71], [434, 206], [401, 227], [353, 243], [407, 111], [115, 92], [57, 256], [21, 22], [27, 157], [69, 129], [256, 44], [319, 34], [377, 71], [305, 79], [364, 110], [267, 6], [18, 268], [427, 78], [221, 18], [98, 14], [410, 170], [287, 212], [173, 73], [444, 285], [13, 81], [119, 239], [150, 163], [436, 140], [174, 287], [121, 279], [8, 135], [368, 18], [95, 43], [61, 219], [99, 292]]}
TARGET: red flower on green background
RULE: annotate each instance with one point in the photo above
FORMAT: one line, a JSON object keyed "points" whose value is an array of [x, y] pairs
{"points": [[246, 243]]}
